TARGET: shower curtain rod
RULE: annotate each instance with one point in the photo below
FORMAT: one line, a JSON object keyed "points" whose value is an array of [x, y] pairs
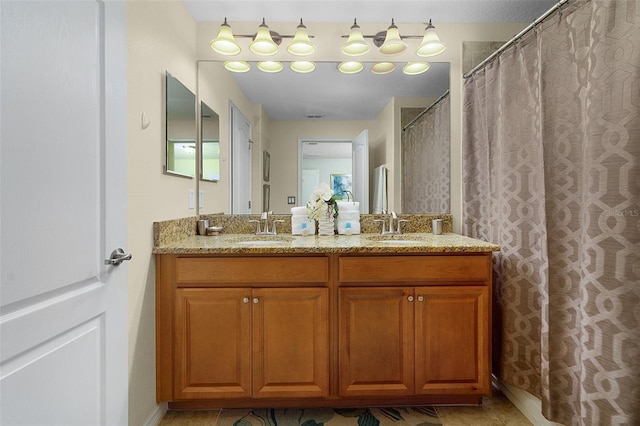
{"points": [[515, 38], [424, 111]]}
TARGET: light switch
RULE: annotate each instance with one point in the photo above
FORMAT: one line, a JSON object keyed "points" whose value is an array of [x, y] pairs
{"points": [[201, 199], [291, 199], [192, 199]]}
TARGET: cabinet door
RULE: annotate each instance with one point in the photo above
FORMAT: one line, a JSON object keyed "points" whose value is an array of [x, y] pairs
{"points": [[376, 341], [452, 340], [213, 343], [290, 342]]}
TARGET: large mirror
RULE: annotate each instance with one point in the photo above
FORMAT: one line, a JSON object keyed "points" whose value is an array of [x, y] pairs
{"points": [[210, 144], [324, 106], [180, 120]]}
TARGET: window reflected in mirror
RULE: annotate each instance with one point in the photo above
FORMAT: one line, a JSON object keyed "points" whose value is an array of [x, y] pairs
{"points": [[180, 129], [210, 136]]}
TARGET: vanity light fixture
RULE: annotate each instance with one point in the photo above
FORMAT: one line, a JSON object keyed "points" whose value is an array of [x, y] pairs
{"points": [[237, 66], [270, 66], [393, 44], [355, 45], [415, 68], [390, 42], [302, 67], [431, 44], [350, 67], [224, 42], [383, 67], [263, 44], [301, 45]]}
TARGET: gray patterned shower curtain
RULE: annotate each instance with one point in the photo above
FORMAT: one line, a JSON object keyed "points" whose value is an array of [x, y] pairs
{"points": [[551, 171], [425, 161]]}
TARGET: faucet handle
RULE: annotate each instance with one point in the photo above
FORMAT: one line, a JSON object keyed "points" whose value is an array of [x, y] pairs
{"points": [[398, 230], [384, 225], [258, 230], [273, 224]]}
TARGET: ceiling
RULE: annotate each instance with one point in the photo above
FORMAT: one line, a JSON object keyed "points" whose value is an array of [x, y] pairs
{"points": [[372, 11], [290, 96]]}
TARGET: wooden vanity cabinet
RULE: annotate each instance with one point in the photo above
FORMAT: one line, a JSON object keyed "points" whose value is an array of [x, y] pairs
{"points": [[260, 343], [322, 329], [240, 336], [429, 338]]}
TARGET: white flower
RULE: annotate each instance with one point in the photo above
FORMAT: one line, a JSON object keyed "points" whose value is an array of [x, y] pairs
{"points": [[319, 201], [322, 191]]}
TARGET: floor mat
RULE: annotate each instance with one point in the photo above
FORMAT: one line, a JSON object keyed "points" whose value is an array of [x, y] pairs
{"points": [[395, 416]]}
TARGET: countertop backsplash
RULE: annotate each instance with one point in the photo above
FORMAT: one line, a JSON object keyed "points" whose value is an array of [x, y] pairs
{"points": [[170, 231]]}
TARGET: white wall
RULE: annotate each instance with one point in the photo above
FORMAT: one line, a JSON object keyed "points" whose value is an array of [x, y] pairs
{"points": [[161, 36]]}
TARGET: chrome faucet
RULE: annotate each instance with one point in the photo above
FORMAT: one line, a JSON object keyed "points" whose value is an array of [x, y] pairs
{"points": [[265, 231], [393, 217]]}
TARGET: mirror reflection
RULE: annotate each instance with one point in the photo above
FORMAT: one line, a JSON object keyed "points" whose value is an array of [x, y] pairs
{"points": [[286, 109], [181, 128], [210, 137]]}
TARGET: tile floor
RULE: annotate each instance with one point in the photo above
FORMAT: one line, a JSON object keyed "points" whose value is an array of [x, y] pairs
{"points": [[494, 411]]}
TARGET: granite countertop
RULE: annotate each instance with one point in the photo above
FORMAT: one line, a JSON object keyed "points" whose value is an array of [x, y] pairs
{"points": [[294, 244]]}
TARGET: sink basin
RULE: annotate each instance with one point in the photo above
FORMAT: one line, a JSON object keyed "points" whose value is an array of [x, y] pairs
{"points": [[400, 242], [260, 242], [402, 239], [263, 240]]}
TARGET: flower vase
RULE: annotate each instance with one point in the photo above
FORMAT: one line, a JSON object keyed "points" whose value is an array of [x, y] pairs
{"points": [[326, 226]]}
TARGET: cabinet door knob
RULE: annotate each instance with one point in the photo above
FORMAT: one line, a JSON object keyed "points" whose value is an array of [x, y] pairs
{"points": [[245, 300], [255, 300], [420, 298], [410, 298]]}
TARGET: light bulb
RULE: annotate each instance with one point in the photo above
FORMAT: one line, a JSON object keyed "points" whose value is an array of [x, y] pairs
{"points": [[431, 44], [301, 45], [350, 67], [302, 67], [237, 66], [270, 66], [383, 67], [263, 44], [415, 68], [355, 45], [224, 42], [393, 44]]}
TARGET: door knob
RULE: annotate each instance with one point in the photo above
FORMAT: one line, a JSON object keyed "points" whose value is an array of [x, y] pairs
{"points": [[117, 257]]}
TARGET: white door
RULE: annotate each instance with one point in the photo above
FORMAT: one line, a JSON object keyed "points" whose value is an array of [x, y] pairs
{"points": [[63, 317], [240, 162], [360, 170], [310, 179]]}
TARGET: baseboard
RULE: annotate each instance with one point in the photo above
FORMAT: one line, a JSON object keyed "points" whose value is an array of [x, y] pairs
{"points": [[156, 415], [529, 405]]}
